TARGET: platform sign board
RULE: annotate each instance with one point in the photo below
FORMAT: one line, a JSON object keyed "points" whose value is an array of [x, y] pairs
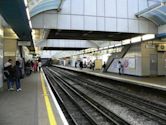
{"points": [[9, 53], [24, 43]]}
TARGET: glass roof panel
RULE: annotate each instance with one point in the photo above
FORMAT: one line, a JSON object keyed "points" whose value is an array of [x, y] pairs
{"points": [[155, 13], [163, 9], [45, 5]]}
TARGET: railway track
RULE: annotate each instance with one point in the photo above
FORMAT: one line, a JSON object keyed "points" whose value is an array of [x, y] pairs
{"points": [[83, 110], [139, 104]]}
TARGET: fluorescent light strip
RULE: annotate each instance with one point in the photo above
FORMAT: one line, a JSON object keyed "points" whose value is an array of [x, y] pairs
{"points": [[148, 36], [119, 44], [27, 10], [30, 24], [111, 46], [136, 39], [26, 3], [125, 42], [1, 32], [106, 47]]}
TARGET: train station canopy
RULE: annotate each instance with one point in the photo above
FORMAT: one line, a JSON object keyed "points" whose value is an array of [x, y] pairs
{"points": [[15, 15], [45, 5], [155, 13]]}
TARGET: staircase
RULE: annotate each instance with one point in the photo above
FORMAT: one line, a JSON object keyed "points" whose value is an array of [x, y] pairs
{"points": [[116, 56]]}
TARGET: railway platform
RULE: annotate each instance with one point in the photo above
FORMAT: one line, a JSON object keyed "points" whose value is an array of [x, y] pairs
{"points": [[151, 82], [34, 105]]}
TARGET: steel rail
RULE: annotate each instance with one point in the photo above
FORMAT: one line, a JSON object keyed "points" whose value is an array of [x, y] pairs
{"points": [[151, 112], [98, 107]]}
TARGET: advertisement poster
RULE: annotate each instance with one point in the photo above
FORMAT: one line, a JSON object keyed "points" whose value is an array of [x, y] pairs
{"points": [[129, 63]]}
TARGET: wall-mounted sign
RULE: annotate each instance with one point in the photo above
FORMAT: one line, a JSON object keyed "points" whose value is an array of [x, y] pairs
{"points": [[24, 43], [9, 53]]}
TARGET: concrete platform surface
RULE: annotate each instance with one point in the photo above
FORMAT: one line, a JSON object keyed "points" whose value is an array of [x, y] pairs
{"points": [[152, 82], [26, 107]]}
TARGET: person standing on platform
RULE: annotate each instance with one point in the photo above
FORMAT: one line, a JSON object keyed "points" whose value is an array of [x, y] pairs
{"points": [[81, 65], [17, 70], [119, 67], [103, 67], [8, 72], [35, 65], [39, 66], [93, 66]]}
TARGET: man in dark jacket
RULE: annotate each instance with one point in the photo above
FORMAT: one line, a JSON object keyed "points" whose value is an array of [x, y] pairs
{"points": [[81, 64], [17, 75]]}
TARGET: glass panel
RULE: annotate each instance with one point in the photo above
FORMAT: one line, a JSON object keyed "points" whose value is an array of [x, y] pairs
{"points": [[156, 13], [163, 9]]}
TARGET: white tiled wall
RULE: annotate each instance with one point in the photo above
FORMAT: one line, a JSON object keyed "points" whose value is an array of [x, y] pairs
{"points": [[100, 15], [100, 23], [100, 8], [90, 7], [77, 22], [110, 24], [133, 26], [122, 25], [77, 7], [122, 8]]}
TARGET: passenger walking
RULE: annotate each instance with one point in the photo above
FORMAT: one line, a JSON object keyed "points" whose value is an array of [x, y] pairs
{"points": [[17, 76], [8, 72]]}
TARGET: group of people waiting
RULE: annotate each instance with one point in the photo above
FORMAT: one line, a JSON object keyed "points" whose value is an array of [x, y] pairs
{"points": [[82, 65], [90, 65], [14, 73], [32, 66]]}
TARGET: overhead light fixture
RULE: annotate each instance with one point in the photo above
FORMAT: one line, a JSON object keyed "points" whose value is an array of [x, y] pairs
{"points": [[30, 24], [136, 39], [148, 36], [111, 46], [1, 32], [26, 3], [119, 44], [125, 42], [106, 47], [101, 48]]}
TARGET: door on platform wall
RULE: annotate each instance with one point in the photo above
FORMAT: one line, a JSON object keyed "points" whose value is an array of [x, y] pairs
{"points": [[153, 64]]}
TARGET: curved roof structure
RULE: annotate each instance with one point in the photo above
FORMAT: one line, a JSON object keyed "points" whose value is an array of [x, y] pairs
{"points": [[45, 5], [156, 13]]}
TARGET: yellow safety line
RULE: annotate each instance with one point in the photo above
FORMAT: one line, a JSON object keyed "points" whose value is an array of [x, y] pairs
{"points": [[48, 104]]}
